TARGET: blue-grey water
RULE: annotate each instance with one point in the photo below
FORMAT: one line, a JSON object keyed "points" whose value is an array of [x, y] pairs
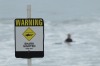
{"points": [[84, 51], [80, 18]]}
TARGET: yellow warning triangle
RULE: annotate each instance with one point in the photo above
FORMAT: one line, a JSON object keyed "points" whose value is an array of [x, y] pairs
{"points": [[29, 34]]}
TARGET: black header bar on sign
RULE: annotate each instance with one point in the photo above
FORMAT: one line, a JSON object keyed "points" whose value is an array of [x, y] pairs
{"points": [[29, 22]]}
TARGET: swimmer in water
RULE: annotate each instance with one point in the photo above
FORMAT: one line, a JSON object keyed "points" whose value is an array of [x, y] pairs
{"points": [[69, 39]]}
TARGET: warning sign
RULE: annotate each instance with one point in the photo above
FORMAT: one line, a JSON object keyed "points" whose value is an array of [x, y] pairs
{"points": [[29, 34], [29, 37]]}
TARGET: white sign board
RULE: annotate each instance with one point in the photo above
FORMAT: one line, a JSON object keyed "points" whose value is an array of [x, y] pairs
{"points": [[29, 37]]}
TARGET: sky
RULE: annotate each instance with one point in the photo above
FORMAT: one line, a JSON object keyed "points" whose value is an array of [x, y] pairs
{"points": [[50, 9]]}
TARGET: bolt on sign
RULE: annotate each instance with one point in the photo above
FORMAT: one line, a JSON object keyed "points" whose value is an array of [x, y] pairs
{"points": [[29, 37]]}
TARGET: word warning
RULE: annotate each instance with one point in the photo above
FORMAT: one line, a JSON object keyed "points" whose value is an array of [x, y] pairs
{"points": [[29, 37]]}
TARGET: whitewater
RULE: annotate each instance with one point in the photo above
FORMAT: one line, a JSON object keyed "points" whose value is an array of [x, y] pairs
{"points": [[84, 51]]}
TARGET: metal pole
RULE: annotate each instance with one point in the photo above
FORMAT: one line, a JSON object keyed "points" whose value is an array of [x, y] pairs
{"points": [[28, 11], [29, 60]]}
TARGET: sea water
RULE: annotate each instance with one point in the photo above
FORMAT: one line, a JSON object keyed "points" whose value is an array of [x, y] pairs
{"points": [[83, 51]]}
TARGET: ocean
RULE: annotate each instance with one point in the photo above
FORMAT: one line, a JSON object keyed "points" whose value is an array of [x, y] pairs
{"points": [[83, 51]]}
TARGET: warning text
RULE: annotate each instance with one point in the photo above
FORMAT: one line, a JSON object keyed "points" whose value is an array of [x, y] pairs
{"points": [[29, 22]]}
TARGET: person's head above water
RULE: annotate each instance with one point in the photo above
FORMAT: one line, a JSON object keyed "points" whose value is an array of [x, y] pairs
{"points": [[69, 35], [68, 39]]}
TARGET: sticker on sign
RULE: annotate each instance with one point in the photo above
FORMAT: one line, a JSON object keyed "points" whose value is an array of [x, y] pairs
{"points": [[29, 34], [29, 37]]}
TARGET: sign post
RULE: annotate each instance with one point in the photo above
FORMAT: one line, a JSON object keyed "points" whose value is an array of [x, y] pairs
{"points": [[29, 37], [29, 60]]}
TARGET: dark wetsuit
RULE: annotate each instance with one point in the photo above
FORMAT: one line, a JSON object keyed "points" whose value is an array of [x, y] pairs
{"points": [[68, 40]]}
